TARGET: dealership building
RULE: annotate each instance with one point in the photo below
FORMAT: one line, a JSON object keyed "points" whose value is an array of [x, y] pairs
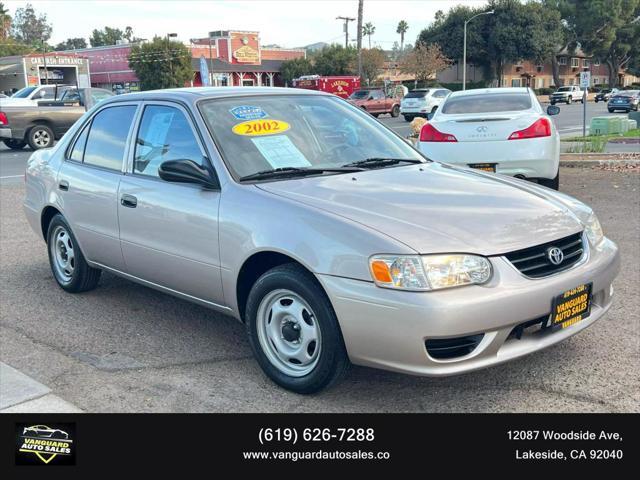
{"points": [[224, 58], [19, 71]]}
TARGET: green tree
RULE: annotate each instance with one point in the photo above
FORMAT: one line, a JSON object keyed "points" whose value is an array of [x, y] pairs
{"points": [[5, 22], [71, 44], [424, 62], [402, 28], [11, 47], [107, 36], [368, 29], [335, 60], [29, 27], [372, 62], [290, 69], [161, 64]]}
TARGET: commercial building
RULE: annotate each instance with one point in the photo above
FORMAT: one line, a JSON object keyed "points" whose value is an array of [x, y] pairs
{"points": [[236, 58], [19, 71]]}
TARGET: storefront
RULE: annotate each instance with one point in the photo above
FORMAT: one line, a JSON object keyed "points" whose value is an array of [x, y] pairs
{"points": [[21, 71], [236, 58]]}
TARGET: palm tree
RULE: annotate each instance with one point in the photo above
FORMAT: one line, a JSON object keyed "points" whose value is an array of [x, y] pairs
{"points": [[5, 22], [402, 29], [368, 29]]}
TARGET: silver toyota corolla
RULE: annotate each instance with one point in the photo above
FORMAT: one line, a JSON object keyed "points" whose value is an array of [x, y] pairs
{"points": [[328, 235]]}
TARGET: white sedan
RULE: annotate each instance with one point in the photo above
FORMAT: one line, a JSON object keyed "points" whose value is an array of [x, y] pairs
{"points": [[503, 130]]}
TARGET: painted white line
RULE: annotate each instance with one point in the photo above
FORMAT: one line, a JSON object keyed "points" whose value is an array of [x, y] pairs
{"points": [[12, 176]]}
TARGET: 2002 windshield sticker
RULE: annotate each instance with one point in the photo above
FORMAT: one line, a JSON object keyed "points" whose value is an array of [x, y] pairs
{"points": [[261, 127], [51, 444]]}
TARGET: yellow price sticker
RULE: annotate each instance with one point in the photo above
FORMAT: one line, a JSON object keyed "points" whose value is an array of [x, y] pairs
{"points": [[261, 127]]}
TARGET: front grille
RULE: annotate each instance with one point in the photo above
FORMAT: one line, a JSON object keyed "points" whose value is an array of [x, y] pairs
{"points": [[534, 261], [446, 348]]}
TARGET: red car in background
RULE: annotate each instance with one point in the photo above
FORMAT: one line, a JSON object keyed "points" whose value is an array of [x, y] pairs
{"points": [[341, 85], [375, 101]]}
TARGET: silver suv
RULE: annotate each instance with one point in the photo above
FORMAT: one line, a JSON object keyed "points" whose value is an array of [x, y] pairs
{"points": [[330, 237]]}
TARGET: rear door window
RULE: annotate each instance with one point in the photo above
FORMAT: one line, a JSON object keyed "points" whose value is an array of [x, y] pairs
{"points": [[107, 139], [417, 94], [487, 103]]}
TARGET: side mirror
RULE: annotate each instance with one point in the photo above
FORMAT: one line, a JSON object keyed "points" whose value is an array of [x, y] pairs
{"points": [[187, 171], [553, 110]]}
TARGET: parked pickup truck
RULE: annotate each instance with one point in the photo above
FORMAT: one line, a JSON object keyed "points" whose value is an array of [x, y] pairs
{"points": [[39, 126], [375, 102], [567, 95]]}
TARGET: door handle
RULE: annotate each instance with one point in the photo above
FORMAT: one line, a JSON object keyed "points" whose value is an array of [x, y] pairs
{"points": [[63, 185], [128, 201]]}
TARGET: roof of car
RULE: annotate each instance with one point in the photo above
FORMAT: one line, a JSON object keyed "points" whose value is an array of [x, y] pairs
{"points": [[483, 91], [192, 93]]}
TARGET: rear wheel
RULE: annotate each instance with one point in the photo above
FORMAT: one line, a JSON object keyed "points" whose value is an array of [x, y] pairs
{"points": [[15, 144], [552, 102], [40, 136], [553, 183], [569, 100], [68, 265], [407, 118], [294, 331], [395, 111]]}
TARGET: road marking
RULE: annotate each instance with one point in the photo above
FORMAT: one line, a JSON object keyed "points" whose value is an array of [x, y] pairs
{"points": [[11, 176]]}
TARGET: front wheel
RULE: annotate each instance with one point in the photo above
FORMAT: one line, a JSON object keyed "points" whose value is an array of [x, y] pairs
{"points": [[611, 110], [68, 265], [553, 183], [395, 111], [293, 330], [569, 100]]}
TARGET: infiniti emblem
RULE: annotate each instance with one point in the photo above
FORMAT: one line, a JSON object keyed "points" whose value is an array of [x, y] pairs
{"points": [[555, 255], [481, 129]]}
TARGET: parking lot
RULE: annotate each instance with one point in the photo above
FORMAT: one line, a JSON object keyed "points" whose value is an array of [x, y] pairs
{"points": [[127, 348]]}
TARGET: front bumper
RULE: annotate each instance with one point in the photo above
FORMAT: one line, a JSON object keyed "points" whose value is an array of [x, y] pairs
{"points": [[5, 132], [388, 329]]}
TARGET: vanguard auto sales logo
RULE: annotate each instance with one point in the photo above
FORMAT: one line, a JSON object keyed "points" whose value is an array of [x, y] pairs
{"points": [[51, 444]]}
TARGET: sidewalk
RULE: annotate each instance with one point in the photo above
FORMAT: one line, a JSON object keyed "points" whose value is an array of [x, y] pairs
{"points": [[20, 393]]}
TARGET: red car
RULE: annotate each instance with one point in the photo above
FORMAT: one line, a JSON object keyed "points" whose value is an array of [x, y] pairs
{"points": [[375, 102]]}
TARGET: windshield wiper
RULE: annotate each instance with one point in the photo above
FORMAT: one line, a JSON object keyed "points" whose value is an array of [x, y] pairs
{"points": [[378, 162], [295, 171]]}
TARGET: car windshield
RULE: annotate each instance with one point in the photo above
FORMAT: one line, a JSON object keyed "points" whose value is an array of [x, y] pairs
{"points": [[360, 94], [24, 93], [564, 89], [628, 93], [487, 103], [417, 94], [262, 133]]}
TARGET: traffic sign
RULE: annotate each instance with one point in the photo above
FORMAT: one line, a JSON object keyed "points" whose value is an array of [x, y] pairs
{"points": [[585, 79]]}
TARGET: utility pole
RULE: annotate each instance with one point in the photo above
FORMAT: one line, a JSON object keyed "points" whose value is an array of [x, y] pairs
{"points": [[169, 54], [44, 60], [346, 29], [359, 37]]}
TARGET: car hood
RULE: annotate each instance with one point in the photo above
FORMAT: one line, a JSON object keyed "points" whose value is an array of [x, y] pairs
{"points": [[437, 208]]}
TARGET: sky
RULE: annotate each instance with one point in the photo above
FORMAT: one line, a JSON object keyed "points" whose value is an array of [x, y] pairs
{"points": [[288, 23]]}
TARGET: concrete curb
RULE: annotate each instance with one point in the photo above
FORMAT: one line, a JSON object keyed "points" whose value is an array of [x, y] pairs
{"points": [[591, 159], [20, 393]]}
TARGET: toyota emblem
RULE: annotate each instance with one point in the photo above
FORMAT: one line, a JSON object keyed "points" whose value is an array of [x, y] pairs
{"points": [[555, 255], [481, 129]]}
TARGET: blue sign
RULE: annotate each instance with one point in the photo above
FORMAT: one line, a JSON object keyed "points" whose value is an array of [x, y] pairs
{"points": [[248, 112], [204, 71]]}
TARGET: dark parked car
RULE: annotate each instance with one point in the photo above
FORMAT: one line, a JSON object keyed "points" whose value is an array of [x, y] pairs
{"points": [[605, 94], [626, 100]]}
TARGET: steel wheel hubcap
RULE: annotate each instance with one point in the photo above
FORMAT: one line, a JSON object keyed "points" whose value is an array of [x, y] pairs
{"points": [[289, 333], [41, 138], [63, 254]]}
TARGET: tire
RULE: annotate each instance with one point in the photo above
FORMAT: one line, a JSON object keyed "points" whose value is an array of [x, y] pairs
{"points": [[569, 100], [375, 115], [407, 118], [611, 110], [15, 144], [40, 136], [553, 183], [71, 272], [552, 103], [395, 111], [596, 100], [328, 361]]}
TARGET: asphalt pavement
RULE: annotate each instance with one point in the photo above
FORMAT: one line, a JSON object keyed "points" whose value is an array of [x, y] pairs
{"points": [[127, 348]]}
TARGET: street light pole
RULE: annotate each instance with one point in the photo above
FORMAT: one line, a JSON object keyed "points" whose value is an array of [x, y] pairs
{"points": [[169, 36], [464, 47], [210, 61]]}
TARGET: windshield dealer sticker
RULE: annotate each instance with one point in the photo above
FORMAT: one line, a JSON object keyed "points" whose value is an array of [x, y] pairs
{"points": [[260, 127], [248, 112], [280, 152]]}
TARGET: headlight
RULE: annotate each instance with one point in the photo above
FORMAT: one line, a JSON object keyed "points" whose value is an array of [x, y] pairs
{"points": [[593, 229], [428, 272]]}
